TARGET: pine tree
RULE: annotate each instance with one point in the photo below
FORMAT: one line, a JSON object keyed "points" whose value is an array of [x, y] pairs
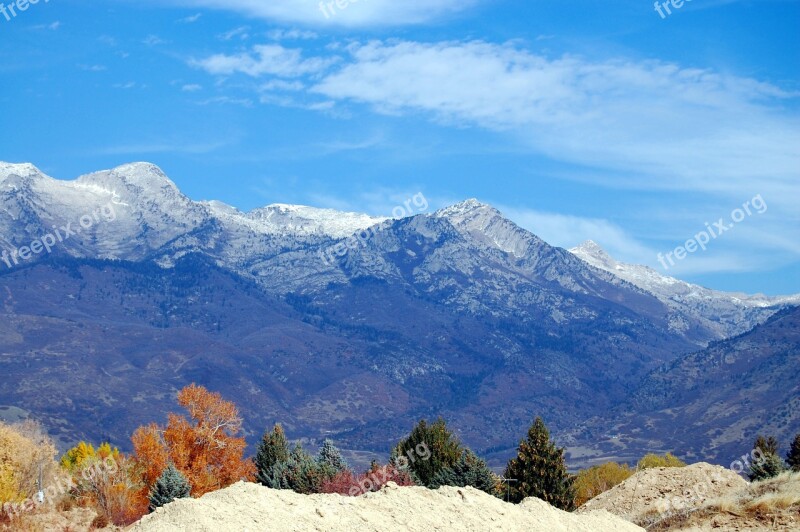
{"points": [[770, 465], [272, 451], [793, 458], [539, 470], [470, 470], [171, 485], [330, 461], [427, 450], [767, 445]]}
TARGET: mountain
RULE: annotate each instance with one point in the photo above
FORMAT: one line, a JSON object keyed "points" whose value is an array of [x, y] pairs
{"points": [[713, 403], [339, 325], [726, 314]]}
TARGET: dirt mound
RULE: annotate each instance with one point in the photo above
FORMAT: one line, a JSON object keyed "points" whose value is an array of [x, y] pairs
{"points": [[651, 494], [251, 507]]}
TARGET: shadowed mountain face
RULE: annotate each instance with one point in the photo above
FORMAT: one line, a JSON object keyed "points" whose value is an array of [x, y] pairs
{"points": [[712, 404], [458, 313]]}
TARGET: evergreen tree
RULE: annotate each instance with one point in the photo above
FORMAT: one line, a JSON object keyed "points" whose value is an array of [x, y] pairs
{"points": [[768, 463], [539, 470], [427, 450], [171, 485], [330, 461], [300, 473], [272, 451], [767, 445], [470, 470], [793, 458]]}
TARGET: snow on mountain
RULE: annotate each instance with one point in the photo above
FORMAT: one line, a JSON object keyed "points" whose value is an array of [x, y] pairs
{"points": [[137, 212], [728, 313], [311, 220]]}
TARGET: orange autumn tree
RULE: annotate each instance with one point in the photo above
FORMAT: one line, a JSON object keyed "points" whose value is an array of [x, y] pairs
{"points": [[206, 448]]}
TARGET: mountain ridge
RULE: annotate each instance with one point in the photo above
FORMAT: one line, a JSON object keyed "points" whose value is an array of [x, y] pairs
{"points": [[459, 312]]}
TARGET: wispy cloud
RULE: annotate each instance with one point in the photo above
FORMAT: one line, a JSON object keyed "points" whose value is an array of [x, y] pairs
{"points": [[153, 40], [356, 13], [266, 59], [656, 122], [191, 19], [164, 147]]}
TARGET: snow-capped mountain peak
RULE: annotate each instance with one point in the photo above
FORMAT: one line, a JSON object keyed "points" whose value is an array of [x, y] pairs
{"points": [[22, 170], [138, 177], [591, 252], [732, 309], [464, 209]]}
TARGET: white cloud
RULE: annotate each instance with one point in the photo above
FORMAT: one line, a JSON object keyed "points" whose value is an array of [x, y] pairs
{"points": [[271, 59], [153, 40], [240, 32], [656, 123], [291, 35], [191, 19], [356, 12], [192, 87]]}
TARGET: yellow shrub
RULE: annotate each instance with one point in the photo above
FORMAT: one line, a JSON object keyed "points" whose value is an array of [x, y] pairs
{"points": [[589, 483], [24, 447], [654, 460], [9, 487]]}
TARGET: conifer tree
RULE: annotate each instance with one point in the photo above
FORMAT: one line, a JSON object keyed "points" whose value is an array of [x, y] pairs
{"points": [[428, 450], [272, 451], [470, 470], [171, 485], [768, 463], [539, 470], [793, 458], [330, 460]]}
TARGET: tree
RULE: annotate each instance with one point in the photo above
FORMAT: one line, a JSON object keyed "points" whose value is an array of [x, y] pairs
{"points": [[330, 461], [793, 457], [539, 470], [589, 483], [272, 450], [427, 450], [653, 460], [767, 445], [300, 473], [206, 447], [470, 470], [767, 462], [171, 485]]}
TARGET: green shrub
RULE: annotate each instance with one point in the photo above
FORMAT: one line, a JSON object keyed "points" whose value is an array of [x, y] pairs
{"points": [[171, 485]]}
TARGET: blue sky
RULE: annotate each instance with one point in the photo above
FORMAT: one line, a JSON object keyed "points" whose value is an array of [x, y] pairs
{"points": [[579, 120]]}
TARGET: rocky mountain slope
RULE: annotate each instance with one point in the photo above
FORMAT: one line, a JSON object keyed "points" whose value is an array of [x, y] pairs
{"points": [[336, 324], [727, 314], [713, 403]]}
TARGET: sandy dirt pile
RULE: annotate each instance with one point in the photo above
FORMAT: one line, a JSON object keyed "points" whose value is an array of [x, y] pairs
{"points": [[251, 507], [649, 495]]}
